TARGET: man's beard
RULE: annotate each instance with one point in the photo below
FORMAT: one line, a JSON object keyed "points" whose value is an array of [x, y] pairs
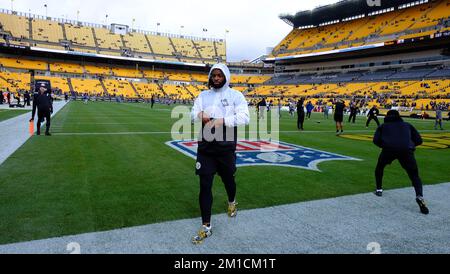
{"points": [[217, 86]]}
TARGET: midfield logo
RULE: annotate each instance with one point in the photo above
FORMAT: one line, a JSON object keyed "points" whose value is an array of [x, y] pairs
{"points": [[265, 153]]}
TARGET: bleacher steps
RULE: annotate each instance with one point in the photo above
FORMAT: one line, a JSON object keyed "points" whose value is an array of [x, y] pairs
{"points": [[196, 48], [105, 90], [69, 82], [30, 28], [64, 31], [189, 92], [149, 45], [134, 89], [174, 48], [215, 49], [97, 48], [161, 89]]}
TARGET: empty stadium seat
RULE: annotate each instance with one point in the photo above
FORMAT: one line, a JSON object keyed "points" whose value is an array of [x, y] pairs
{"points": [[17, 25], [89, 86], [46, 30], [15, 81], [84, 38], [137, 42], [22, 63], [80, 35], [108, 40], [317, 39]]}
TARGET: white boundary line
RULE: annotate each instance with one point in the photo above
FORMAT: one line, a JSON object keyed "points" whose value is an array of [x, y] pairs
{"points": [[168, 132]]}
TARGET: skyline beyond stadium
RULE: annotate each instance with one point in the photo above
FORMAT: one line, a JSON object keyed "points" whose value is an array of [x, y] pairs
{"points": [[253, 27]]}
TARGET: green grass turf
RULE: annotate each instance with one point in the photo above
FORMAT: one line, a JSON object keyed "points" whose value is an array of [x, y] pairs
{"points": [[71, 184], [6, 114]]}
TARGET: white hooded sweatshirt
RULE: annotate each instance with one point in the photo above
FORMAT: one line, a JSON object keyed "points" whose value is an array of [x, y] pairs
{"points": [[224, 103]]}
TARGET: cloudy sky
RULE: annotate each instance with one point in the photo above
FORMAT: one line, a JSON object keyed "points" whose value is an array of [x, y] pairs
{"points": [[253, 24]]}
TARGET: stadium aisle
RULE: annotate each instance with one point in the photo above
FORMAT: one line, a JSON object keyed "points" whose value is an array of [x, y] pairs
{"points": [[359, 224], [14, 132]]}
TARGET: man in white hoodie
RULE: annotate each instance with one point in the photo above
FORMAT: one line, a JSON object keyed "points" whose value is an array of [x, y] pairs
{"points": [[221, 110]]}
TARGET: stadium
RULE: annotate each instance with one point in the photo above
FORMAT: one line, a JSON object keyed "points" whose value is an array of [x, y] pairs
{"points": [[111, 179]]}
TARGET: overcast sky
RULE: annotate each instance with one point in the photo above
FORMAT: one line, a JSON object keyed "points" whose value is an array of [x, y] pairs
{"points": [[253, 24]]}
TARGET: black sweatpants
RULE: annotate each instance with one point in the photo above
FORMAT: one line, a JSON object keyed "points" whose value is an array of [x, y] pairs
{"points": [[407, 161], [300, 120], [207, 166], [372, 118], [352, 118], [41, 115]]}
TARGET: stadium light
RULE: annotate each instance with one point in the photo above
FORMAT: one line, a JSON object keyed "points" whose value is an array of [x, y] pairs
{"points": [[46, 10], [78, 15], [12, 5], [226, 32]]}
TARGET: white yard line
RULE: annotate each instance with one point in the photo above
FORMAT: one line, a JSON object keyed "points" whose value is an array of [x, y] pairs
{"points": [[350, 224], [14, 132]]}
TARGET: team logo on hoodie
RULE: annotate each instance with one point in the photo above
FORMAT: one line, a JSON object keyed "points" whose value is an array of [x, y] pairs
{"points": [[266, 153]]}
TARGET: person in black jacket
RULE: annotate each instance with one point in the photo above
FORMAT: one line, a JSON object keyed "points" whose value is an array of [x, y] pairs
{"points": [[353, 111], [8, 97], [339, 116], [43, 103], [26, 98], [152, 101], [18, 99], [262, 105], [373, 113], [300, 114], [399, 140]]}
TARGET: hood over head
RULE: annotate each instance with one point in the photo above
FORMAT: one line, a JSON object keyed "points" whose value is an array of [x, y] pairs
{"points": [[393, 116], [226, 71]]}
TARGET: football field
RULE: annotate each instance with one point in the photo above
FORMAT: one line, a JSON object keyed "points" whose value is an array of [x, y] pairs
{"points": [[7, 114], [107, 166]]}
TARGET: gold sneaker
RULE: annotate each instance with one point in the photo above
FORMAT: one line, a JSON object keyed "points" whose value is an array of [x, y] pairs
{"points": [[423, 206], [202, 234], [232, 210]]}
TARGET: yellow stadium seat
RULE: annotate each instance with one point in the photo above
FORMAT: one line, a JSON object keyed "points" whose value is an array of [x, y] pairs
{"points": [[319, 39], [130, 73], [56, 82], [89, 86], [136, 42], [186, 47], [23, 63], [206, 49], [119, 88], [108, 40], [80, 35], [97, 70], [161, 44], [17, 25], [15, 82], [66, 68], [147, 90], [46, 30]]}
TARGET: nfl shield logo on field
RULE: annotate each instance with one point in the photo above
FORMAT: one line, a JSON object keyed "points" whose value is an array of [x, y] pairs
{"points": [[267, 153]]}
